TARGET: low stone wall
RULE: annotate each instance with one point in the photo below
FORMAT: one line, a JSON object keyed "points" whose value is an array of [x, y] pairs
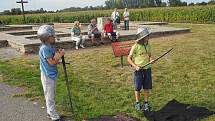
{"points": [[58, 35], [166, 33], [19, 47], [5, 28], [34, 48], [69, 25], [26, 41], [69, 44]]}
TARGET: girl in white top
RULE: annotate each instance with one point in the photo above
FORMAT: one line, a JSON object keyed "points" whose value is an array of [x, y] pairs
{"points": [[126, 14], [77, 36], [126, 19], [114, 16]]}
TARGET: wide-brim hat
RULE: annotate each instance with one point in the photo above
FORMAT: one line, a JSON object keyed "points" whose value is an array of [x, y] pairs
{"points": [[142, 32]]}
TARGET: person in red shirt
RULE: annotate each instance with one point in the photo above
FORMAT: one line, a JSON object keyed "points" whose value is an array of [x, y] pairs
{"points": [[109, 31]]}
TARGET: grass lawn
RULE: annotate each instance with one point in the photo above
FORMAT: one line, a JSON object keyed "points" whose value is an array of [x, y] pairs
{"points": [[101, 87]]}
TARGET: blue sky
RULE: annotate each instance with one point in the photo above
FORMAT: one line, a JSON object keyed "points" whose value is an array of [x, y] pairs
{"points": [[58, 4]]}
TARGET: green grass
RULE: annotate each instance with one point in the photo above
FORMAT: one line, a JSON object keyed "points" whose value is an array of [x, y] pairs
{"points": [[101, 87]]}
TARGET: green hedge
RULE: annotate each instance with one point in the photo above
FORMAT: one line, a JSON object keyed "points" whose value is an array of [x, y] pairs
{"points": [[194, 14]]}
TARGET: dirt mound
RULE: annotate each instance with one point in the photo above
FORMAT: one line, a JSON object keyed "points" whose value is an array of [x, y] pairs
{"points": [[118, 117]]}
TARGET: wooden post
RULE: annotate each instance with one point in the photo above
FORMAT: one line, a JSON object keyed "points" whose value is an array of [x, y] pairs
{"points": [[23, 10], [122, 61]]}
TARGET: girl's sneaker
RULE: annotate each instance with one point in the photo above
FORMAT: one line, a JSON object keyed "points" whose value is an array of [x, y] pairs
{"points": [[76, 47], [138, 106], [82, 46]]}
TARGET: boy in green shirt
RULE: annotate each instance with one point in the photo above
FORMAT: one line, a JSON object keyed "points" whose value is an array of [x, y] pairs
{"points": [[140, 55]]}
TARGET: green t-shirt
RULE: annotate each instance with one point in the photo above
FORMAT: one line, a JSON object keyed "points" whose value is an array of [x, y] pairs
{"points": [[76, 31], [140, 55]]}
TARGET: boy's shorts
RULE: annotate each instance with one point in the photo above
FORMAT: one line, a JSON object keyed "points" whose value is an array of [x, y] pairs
{"points": [[143, 79], [97, 35]]}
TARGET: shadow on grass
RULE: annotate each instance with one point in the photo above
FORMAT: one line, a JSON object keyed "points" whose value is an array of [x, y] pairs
{"points": [[176, 111]]}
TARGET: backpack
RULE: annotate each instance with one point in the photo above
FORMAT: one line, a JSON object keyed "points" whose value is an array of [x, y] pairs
{"points": [[118, 19]]}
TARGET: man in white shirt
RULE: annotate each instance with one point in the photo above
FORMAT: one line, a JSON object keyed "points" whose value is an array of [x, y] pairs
{"points": [[126, 19], [115, 18]]}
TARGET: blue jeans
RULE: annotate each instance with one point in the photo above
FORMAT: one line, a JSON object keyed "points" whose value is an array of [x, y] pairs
{"points": [[126, 24]]}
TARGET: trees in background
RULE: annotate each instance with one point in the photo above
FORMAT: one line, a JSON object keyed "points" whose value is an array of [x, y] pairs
{"points": [[13, 11], [17, 11], [110, 4], [212, 2], [175, 3], [149, 3], [132, 3], [202, 3]]}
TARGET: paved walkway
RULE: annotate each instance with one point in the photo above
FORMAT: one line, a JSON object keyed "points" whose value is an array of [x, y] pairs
{"points": [[17, 108], [8, 53]]}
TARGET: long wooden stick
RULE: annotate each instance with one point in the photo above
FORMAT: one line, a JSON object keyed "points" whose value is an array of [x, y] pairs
{"points": [[67, 82], [158, 58]]}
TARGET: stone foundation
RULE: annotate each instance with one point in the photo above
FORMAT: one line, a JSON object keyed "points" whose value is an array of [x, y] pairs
{"points": [[3, 43]]}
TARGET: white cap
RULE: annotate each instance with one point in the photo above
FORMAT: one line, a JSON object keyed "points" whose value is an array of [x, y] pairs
{"points": [[45, 31]]}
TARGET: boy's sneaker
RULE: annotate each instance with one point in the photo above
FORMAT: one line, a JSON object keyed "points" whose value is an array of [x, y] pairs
{"points": [[60, 119], [147, 107], [137, 106], [48, 116]]}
